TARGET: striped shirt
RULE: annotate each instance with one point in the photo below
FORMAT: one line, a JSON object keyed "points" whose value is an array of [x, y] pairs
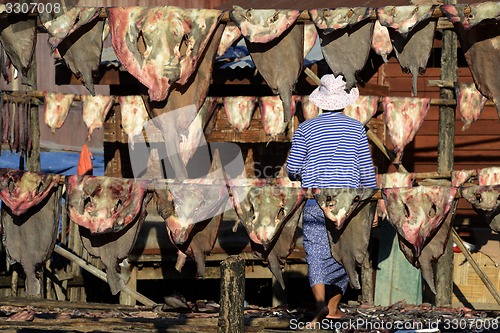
{"points": [[330, 151]]}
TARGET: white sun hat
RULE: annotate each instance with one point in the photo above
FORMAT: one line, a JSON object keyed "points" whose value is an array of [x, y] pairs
{"points": [[331, 93]]}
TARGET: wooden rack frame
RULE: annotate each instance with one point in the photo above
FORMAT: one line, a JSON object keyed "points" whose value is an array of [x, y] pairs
{"points": [[445, 147]]}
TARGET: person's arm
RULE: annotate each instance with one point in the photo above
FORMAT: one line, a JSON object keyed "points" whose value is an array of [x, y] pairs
{"points": [[367, 171], [295, 160]]}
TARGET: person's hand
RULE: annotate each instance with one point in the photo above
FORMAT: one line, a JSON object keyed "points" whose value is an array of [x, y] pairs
{"points": [[329, 215], [375, 220], [337, 218]]}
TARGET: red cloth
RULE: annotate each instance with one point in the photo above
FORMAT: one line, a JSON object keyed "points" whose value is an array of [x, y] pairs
{"points": [[85, 166]]}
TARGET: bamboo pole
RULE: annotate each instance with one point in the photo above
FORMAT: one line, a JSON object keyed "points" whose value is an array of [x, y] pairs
{"points": [[101, 275]]}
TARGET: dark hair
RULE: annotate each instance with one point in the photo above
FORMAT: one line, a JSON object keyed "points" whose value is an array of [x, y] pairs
{"points": [[339, 110]]}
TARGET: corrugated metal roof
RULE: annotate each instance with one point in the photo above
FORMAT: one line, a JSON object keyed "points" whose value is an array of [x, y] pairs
{"points": [[240, 57]]}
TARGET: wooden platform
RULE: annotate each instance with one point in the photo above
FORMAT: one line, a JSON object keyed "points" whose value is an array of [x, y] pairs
{"points": [[35, 315], [54, 316]]}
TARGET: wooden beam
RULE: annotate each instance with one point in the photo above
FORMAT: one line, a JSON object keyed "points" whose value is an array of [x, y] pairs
{"points": [[33, 156], [312, 75], [441, 83], [446, 150], [37, 96], [100, 274], [443, 23], [303, 17]]}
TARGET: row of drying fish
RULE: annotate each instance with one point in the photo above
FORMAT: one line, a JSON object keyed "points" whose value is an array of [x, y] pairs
{"points": [[239, 109], [110, 212], [346, 34], [403, 115], [15, 125]]}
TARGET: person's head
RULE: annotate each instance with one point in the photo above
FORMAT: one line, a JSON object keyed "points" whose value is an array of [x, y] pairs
{"points": [[331, 94]]}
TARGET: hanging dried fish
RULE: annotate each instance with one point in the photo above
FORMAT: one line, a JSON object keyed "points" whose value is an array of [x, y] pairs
{"points": [[28, 126], [13, 128], [22, 129], [17, 129], [25, 128], [1, 120], [3, 65], [5, 121], [12, 120], [15, 125]]}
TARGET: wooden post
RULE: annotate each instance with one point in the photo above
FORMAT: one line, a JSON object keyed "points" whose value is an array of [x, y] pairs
{"points": [[367, 290], [33, 156], [232, 295], [13, 283], [131, 282], [446, 147]]}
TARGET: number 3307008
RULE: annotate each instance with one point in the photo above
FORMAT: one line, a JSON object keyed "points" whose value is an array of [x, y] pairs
{"points": [[32, 7]]}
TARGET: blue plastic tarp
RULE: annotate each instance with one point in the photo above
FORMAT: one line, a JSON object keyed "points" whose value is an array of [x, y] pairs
{"points": [[239, 57], [63, 163]]}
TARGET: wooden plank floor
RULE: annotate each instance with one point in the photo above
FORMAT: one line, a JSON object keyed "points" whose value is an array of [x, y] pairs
{"points": [[55, 316], [36, 315]]}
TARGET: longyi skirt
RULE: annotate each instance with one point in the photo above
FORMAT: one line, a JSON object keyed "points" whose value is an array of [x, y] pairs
{"points": [[322, 267]]}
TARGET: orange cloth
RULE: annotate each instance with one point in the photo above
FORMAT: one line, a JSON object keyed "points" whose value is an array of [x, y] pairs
{"points": [[85, 166]]}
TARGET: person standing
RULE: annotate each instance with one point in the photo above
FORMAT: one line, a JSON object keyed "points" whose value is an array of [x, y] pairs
{"points": [[329, 151]]}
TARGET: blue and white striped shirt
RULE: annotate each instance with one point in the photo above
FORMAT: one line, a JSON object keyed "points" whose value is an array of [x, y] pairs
{"points": [[330, 151]]}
